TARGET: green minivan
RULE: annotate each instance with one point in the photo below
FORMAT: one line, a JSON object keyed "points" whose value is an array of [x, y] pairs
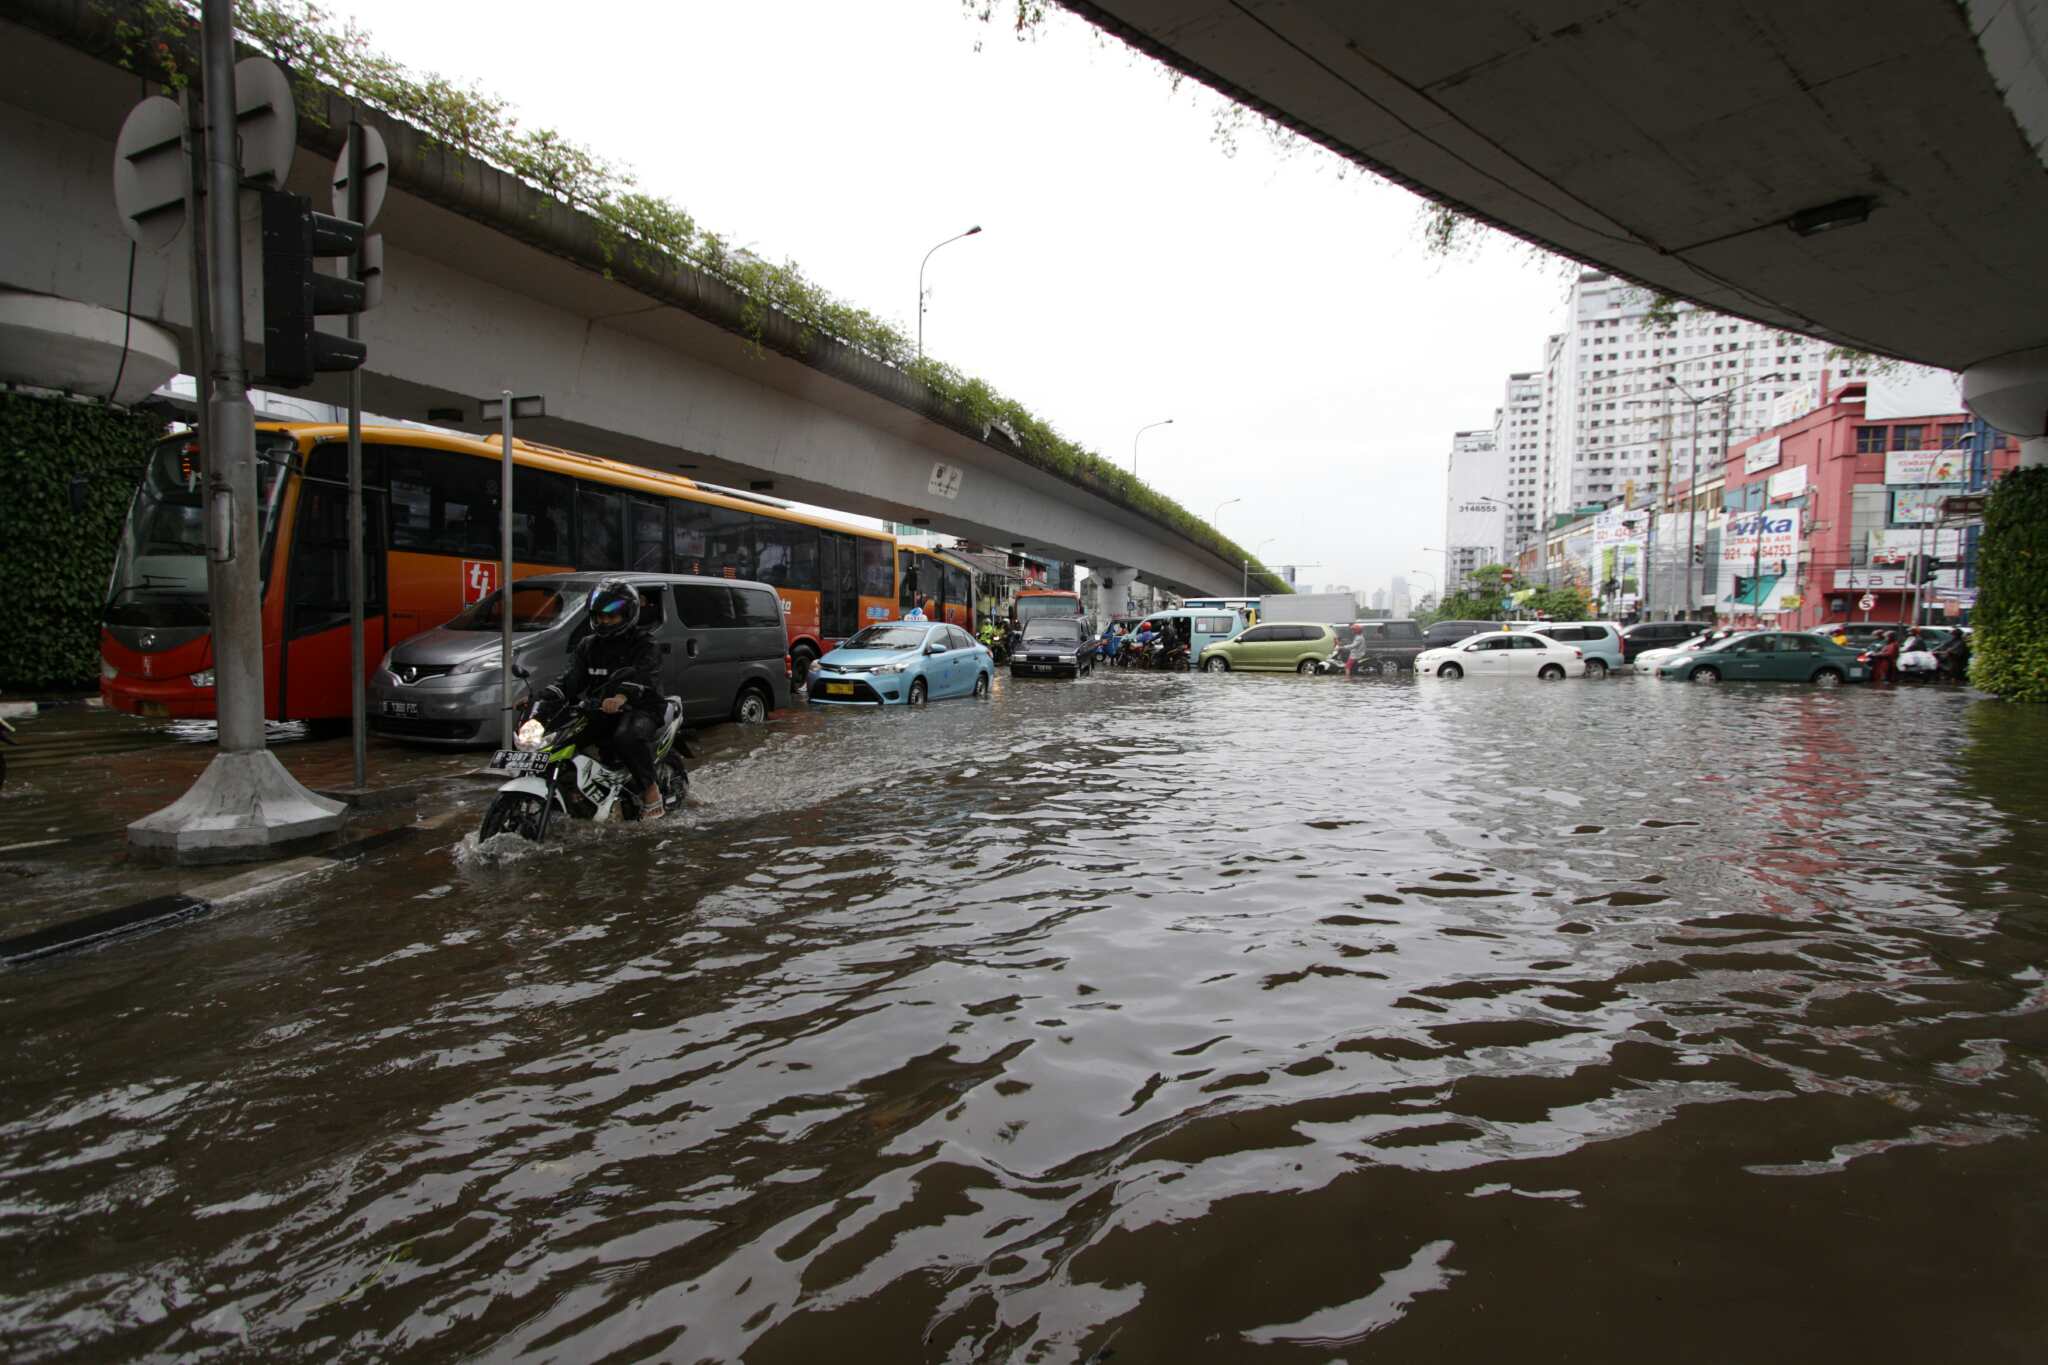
{"points": [[1273, 647]]}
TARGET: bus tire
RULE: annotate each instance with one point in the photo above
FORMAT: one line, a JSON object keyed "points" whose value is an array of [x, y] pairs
{"points": [[800, 660]]}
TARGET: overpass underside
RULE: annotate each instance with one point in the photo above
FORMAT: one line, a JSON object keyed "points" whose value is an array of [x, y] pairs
{"points": [[491, 285], [1867, 171]]}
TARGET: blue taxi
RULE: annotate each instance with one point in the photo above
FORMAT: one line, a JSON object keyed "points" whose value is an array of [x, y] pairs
{"points": [[902, 663]]}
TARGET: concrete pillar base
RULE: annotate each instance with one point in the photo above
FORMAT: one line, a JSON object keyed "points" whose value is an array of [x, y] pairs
{"points": [[2011, 393], [1113, 592], [245, 807]]}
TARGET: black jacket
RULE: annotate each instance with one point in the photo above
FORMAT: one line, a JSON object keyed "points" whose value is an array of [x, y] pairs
{"points": [[627, 664]]}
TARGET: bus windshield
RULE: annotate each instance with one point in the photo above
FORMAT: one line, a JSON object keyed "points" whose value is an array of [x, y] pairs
{"points": [[888, 637], [1052, 604], [535, 606], [160, 565]]}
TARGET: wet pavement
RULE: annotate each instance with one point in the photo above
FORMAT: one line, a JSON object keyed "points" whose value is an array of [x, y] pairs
{"points": [[1172, 1018]]}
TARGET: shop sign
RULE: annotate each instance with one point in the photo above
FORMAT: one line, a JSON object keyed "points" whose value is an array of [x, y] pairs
{"points": [[1927, 466], [1763, 455]]}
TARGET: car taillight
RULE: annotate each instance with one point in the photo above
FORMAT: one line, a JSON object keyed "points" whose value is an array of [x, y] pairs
{"points": [[1862, 658], [1578, 654]]}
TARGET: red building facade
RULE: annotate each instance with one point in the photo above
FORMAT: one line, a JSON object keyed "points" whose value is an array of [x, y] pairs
{"points": [[1867, 497]]}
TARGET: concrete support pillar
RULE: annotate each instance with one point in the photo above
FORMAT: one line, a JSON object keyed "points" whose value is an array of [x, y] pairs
{"points": [[1112, 589], [2011, 393]]}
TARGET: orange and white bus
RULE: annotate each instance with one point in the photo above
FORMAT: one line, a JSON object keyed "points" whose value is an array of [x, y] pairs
{"points": [[943, 583], [431, 519]]}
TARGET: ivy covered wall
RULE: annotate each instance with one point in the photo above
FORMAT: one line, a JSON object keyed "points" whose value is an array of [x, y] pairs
{"points": [[2011, 645], [53, 561]]}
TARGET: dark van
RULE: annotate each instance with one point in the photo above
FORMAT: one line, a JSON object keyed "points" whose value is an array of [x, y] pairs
{"points": [[724, 645]]}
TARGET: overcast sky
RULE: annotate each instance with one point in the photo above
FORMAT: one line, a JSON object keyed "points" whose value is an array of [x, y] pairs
{"points": [[1279, 307]]}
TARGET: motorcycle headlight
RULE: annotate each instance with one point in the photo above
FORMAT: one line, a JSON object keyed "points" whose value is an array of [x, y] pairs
{"points": [[889, 668], [528, 736]]}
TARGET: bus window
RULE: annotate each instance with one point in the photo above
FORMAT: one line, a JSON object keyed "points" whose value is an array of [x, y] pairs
{"points": [[542, 514], [649, 524], [788, 554], [959, 588], [876, 572], [735, 542], [688, 534], [599, 522], [906, 579], [442, 503]]}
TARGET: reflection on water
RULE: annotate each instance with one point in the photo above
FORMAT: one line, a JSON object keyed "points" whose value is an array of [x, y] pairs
{"points": [[1187, 1018]]}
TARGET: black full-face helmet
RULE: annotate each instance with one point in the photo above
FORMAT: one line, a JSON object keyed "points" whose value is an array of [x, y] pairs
{"points": [[614, 607]]}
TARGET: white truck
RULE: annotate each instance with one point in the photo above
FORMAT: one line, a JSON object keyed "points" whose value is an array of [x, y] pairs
{"points": [[1330, 608]]}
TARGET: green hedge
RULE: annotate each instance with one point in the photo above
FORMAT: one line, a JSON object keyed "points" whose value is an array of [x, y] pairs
{"points": [[2010, 650], [55, 563]]}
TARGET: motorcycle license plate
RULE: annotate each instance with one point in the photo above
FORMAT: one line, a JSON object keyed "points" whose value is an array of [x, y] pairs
{"points": [[407, 709], [519, 762], [833, 689]]}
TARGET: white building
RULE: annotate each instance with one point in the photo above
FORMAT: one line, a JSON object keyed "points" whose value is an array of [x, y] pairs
{"points": [[1519, 436], [1475, 512], [1640, 396]]}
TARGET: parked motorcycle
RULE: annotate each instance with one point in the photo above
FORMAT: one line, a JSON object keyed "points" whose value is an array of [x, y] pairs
{"points": [[551, 773]]}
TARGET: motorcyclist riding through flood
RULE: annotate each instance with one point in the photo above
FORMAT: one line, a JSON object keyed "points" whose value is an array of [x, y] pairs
{"points": [[619, 662]]}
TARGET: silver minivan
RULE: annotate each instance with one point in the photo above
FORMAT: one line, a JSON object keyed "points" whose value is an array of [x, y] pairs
{"points": [[1599, 641], [724, 645]]}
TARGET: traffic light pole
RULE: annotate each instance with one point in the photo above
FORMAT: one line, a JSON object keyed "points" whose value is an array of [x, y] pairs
{"points": [[245, 804]]}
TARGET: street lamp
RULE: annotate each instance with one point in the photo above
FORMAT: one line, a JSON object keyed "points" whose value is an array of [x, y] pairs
{"points": [[1218, 513], [1164, 422], [1244, 587], [920, 284]]}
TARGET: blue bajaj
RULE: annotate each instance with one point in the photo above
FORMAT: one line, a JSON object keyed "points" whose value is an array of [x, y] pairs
{"points": [[903, 663]]}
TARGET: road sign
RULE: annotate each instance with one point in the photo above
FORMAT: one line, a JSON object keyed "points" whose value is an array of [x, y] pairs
{"points": [[376, 174], [1865, 602], [150, 172], [266, 121]]}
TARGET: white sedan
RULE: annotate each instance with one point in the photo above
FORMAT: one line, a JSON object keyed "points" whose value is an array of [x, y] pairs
{"points": [[1502, 654]]}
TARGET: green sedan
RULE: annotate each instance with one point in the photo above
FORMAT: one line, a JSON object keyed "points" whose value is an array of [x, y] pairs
{"points": [[1272, 647], [1770, 656]]}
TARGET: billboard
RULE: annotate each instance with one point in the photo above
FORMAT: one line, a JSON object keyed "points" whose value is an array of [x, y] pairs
{"points": [[1910, 391], [1787, 483], [1927, 466], [1763, 455], [1760, 560]]}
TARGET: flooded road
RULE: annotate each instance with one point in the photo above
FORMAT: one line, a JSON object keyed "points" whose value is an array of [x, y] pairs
{"points": [[1149, 1018]]}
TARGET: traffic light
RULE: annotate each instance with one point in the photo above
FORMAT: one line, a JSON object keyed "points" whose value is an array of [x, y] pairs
{"points": [[1924, 567], [295, 294]]}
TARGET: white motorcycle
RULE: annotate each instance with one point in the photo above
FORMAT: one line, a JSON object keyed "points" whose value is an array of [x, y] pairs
{"points": [[552, 773]]}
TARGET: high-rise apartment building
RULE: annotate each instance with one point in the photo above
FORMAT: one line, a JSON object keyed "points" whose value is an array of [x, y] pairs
{"points": [[1628, 396], [1398, 600], [1641, 394], [1476, 510]]}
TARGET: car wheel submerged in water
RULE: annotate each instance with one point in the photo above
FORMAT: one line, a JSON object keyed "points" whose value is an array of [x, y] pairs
{"points": [[918, 692], [1828, 677], [1595, 668], [980, 686], [1553, 672], [750, 707], [1450, 671], [1216, 664], [1706, 673]]}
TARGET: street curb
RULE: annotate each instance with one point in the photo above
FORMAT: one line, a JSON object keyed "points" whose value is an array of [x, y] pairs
{"points": [[198, 901]]}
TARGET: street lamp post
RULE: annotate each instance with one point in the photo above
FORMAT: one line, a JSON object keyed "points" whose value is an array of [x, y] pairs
{"points": [[1244, 587], [1692, 483], [1163, 422], [920, 283], [1435, 588], [1218, 513]]}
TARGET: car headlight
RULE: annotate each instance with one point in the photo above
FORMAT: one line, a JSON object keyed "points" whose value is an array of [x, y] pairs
{"points": [[203, 678], [386, 664], [489, 663], [888, 668]]}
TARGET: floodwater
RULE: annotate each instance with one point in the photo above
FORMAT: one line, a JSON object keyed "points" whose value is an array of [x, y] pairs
{"points": [[1147, 1018]]}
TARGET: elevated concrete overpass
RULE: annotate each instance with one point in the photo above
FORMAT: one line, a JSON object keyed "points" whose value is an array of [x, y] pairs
{"points": [[492, 285], [1868, 171]]}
